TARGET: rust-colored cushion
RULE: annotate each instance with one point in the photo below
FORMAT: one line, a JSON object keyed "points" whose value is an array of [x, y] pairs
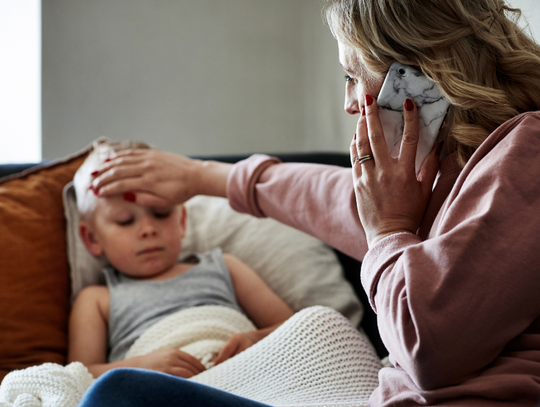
{"points": [[34, 275]]}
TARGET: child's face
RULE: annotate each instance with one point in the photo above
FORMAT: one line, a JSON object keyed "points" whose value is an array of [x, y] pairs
{"points": [[139, 241]]}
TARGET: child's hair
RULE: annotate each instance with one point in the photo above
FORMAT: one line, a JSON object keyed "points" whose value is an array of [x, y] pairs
{"points": [[101, 150]]}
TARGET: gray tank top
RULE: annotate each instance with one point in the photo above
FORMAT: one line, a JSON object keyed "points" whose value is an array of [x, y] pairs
{"points": [[135, 305]]}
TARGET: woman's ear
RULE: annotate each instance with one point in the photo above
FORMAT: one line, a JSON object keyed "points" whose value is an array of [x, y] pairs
{"points": [[89, 239], [183, 221]]}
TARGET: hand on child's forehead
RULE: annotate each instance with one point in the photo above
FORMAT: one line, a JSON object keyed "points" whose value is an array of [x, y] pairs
{"points": [[119, 202]]}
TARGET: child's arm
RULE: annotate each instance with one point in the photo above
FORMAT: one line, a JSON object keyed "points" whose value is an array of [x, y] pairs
{"points": [[88, 333], [265, 309]]}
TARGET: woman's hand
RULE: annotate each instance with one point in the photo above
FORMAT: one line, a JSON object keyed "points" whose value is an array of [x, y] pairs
{"points": [[171, 361], [156, 178], [390, 197]]}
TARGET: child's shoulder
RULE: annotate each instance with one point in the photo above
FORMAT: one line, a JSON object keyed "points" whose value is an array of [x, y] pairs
{"points": [[93, 293], [228, 256], [235, 265], [209, 255]]}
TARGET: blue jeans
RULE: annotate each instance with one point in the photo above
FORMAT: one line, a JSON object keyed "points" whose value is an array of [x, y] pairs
{"points": [[139, 387]]}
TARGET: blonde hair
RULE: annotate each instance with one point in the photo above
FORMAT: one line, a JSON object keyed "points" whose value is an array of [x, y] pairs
{"points": [[101, 150], [484, 63]]}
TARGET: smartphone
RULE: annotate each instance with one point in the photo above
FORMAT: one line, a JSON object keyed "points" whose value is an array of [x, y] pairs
{"points": [[402, 82]]}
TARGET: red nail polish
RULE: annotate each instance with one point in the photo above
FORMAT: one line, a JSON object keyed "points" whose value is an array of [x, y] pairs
{"points": [[94, 174], [354, 138], [96, 191], [129, 196], [363, 111], [107, 160], [90, 187], [409, 105], [369, 100]]}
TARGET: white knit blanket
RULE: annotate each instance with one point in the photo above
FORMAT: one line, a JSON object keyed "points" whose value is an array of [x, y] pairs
{"points": [[316, 358], [47, 385], [199, 331]]}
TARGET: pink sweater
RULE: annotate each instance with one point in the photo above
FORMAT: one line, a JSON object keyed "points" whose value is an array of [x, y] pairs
{"points": [[458, 303]]}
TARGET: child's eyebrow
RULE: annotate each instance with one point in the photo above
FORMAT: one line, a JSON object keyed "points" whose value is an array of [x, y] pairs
{"points": [[161, 208], [115, 211]]}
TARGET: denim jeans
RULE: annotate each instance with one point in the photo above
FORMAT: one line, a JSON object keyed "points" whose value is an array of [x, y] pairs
{"points": [[147, 388]]}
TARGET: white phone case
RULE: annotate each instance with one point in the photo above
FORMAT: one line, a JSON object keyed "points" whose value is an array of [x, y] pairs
{"points": [[402, 82]]}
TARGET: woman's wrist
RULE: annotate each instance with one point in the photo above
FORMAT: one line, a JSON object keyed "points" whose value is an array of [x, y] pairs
{"points": [[380, 236], [213, 177]]}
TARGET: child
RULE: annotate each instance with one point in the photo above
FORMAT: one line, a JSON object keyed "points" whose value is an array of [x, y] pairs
{"points": [[146, 283]]}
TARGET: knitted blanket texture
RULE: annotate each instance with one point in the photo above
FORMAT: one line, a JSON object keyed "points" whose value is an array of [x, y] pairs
{"points": [[47, 385], [316, 358], [199, 331]]}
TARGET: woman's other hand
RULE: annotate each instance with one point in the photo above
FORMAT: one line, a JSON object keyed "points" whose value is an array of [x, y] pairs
{"points": [[156, 178], [390, 197]]}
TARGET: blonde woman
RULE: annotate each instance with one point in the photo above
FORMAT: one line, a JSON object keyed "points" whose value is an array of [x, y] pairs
{"points": [[451, 255]]}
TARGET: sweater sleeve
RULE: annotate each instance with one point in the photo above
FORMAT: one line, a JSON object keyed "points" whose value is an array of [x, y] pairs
{"points": [[449, 306], [317, 199]]}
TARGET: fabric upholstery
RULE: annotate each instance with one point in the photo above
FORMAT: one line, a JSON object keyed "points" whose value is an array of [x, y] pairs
{"points": [[33, 265]]}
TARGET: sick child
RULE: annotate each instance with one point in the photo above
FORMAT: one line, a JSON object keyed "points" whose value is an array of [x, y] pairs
{"points": [[146, 282]]}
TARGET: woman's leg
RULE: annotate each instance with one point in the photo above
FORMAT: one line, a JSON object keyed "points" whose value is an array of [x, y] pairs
{"points": [[138, 387]]}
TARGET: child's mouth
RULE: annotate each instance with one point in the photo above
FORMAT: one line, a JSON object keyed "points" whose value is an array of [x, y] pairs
{"points": [[150, 250]]}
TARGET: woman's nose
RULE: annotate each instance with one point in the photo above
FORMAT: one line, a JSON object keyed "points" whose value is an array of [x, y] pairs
{"points": [[351, 102]]}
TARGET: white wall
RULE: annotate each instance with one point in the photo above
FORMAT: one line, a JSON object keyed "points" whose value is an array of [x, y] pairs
{"points": [[196, 77], [20, 81], [530, 10]]}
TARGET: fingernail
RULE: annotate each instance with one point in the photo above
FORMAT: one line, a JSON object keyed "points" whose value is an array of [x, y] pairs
{"points": [[107, 160], [96, 191], [94, 174], [369, 100], [354, 138], [363, 111], [129, 196], [90, 187], [409, 105]]}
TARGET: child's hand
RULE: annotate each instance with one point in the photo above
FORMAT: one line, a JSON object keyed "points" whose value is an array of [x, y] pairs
{"points": [[171, 361], [236, 344]]}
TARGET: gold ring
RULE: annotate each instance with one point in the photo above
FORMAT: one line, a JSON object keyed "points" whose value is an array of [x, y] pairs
{"points": [[363, 158]]}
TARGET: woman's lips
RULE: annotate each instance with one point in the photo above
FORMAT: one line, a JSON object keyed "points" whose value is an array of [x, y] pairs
{"points": [[150, 250]]}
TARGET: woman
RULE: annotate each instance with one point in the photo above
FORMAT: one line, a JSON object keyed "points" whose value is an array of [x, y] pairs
{"points": [[451, 272]]}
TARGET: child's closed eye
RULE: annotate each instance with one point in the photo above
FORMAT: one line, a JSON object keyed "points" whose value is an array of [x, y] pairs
{"points": [[162, 214], [125, 222]]}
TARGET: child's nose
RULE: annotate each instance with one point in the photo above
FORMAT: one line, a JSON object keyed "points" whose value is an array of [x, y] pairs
{"points": [[148, 228]]}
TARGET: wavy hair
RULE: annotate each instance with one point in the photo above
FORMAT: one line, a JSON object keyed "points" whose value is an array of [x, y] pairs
{"points": [[484, 63]]}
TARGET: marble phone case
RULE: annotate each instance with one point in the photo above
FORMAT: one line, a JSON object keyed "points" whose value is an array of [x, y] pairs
{"points": [[404, 82]]}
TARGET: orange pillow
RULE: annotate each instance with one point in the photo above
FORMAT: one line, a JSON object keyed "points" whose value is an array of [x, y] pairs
{"points": [[34, 275]]}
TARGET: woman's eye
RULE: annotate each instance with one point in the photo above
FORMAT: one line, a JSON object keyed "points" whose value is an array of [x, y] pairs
{"points": [[126, 222], [349, 78]]}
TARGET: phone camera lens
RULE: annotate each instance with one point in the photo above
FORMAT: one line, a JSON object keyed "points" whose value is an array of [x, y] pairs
{"points": [[402, 71]]}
